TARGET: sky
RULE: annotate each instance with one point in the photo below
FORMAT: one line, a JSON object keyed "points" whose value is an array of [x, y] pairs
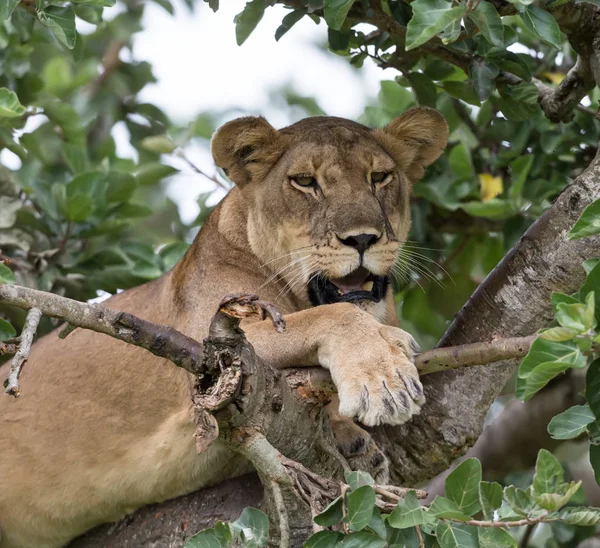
{"points": [[199, 67]]}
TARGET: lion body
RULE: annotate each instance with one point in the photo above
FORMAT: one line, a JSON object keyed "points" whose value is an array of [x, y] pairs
{"points": [[103, 427]]}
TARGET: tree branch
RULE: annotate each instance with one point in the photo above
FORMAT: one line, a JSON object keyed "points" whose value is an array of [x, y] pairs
{"points": [[25, 341], [160, 340]]}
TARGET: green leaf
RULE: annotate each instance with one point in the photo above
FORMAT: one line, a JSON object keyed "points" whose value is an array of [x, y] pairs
{"points": [[402, 538], [539, 378], [462, 486], [7, 331], [65, 116], [224, 532], [483, 75], [253, 527], [542, 24], [441, 507], [488, 22], [394, 98], [408, 513], [523, 92], [331, 515], [362, 540], [121, 186], [376, 524], [554, 501], [544, 361], [577, 317], [492, 209], [571, 423], [589, 265], [430, 17], [456, 535], [452, 32], [360, 507], [324, 539], [9, 104], [358, 479], [558, 297], [595, 461], [246, 21], [548, 473], [490, 498], [461, 161], [592, 388], [335, 12], [61, 21], [288, 22], [204, 539], [6, 8], [424, 88], [519, 170], [520, 502], [492, 537], [7, 276], [79, 208], [588, 223], [592, 283], [153, 172], [161, 144], [582, 516], [558, 334]]}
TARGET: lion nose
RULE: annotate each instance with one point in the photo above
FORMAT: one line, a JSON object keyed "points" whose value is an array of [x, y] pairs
{"points": [[360, 242]]}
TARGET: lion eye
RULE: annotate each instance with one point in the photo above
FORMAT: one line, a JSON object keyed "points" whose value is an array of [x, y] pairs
{"points": [[305, 181], [381, 177]]}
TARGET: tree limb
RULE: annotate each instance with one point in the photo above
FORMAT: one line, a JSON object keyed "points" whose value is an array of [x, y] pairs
{"points": [[25, 341]]}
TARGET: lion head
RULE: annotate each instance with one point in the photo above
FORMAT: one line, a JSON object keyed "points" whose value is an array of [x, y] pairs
{"points": [[328, 199]]}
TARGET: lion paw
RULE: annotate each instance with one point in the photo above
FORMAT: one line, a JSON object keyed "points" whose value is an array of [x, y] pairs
{"points": [[361, 452], [379, 383]]}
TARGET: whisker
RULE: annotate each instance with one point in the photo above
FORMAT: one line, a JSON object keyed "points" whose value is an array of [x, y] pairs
{"points": [[429, 259], [422, 269], [306, 249]]}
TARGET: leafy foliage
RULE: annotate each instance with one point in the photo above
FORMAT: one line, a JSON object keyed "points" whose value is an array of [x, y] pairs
{"points": [[452, 522]]}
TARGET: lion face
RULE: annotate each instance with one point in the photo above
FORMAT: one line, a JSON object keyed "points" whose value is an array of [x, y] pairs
{"points": [[328, 199]]}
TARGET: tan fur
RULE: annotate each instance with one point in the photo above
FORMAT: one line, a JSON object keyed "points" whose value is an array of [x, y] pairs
{"points": [[103, 428]]}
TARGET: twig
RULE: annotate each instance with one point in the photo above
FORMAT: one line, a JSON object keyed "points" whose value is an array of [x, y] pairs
{"points": [[517, 523], [440, 359], [110, 62], [284, 523], [181, 154], [26, 340], [420, 537]]}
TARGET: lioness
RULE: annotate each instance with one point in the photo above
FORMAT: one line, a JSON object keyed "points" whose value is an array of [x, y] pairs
{"points": [[315, 224]]}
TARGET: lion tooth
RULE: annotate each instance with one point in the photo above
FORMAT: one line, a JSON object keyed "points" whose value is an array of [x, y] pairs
{"points": [[368, 286]]}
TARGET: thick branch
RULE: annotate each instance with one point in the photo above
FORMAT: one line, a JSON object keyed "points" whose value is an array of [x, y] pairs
{"points": [[558, 104], [160, 340]]}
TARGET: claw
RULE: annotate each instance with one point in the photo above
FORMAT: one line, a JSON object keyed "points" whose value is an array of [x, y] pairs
{"points": [[243, 305]]}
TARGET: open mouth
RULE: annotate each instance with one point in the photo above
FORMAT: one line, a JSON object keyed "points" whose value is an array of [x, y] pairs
{"points": [[359, 285]]}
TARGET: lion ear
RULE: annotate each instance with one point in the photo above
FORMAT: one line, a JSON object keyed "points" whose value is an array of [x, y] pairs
{"points": [[415, 139], [242, 146]]}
